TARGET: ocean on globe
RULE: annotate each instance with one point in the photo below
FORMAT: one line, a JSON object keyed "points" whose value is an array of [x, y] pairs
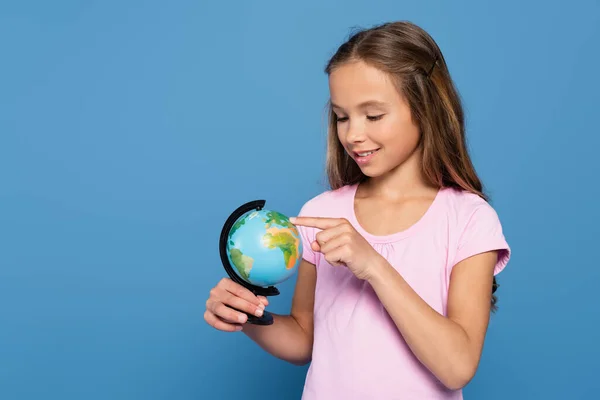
{"points": [[264, 247]]}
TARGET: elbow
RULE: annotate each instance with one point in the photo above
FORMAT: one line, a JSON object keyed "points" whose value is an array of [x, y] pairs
{"points": [[296, 359], [302, 354], [456, 383], [301, 362], [459, 376], [302, 358]]}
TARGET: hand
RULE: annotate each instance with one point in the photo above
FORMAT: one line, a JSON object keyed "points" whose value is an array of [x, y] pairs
{"points": [[226, 296], [341, 244]]}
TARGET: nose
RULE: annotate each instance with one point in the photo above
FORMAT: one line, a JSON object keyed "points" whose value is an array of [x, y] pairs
{"points": [[355, 132]]}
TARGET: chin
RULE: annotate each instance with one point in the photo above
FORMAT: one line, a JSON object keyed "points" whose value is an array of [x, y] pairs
{"points": [[373, 172]]}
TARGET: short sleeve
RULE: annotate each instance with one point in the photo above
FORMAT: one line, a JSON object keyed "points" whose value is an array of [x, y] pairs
{"points": [[307, 235], [483, 232]]}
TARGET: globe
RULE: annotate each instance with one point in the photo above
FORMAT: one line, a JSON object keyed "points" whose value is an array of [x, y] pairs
{"points": [[259, 248], [263, 247]]}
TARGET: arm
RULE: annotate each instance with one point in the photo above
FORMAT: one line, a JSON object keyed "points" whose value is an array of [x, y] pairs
{"points": [[290, 337], [450, 347]]}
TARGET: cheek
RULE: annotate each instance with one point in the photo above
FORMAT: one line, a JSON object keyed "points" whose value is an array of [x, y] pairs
{"points": [[398, 135], [401, 137]]}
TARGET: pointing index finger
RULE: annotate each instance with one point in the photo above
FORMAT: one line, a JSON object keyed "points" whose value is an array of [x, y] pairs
{"points": [[315, 222]]}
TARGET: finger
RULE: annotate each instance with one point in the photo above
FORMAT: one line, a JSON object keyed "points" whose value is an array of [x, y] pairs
{"points": [[220, 295], [336, 257], [239, 291], [232, 301], [334, 243], [317, 222], [263, 300], [331, 233], [315, 246], [227, 313], [219, 324]]}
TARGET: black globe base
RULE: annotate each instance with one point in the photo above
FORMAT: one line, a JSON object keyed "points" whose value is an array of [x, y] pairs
{"points": [[267, 317]]}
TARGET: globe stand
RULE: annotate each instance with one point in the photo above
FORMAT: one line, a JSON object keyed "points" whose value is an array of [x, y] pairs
{"points": [[267, 317]]}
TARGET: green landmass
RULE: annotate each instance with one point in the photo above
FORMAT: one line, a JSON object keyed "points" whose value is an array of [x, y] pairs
{"points": [[287, 243], [242, 262], [237, 225], [276, 218]]}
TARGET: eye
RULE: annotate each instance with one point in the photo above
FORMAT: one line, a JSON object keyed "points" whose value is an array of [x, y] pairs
{"points": [[341, 119], [375, 117]]}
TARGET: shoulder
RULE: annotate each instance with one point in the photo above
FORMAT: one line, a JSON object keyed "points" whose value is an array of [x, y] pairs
{"points": [[463, 206], [476, 226], [328, 203]]}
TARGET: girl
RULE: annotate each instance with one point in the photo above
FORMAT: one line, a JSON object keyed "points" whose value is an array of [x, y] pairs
{"points": [[394, 292]]}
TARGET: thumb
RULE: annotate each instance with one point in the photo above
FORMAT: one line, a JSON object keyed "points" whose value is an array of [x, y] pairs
{"points": [[315, 246]]}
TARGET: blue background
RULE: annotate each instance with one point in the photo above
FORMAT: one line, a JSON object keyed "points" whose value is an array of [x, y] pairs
{"points": [[130, 130]]}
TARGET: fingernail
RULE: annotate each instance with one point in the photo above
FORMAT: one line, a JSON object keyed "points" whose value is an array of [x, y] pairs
{"points": [[261, 305], [242, 318], [259, 312], [239, 328], [292, 219]]}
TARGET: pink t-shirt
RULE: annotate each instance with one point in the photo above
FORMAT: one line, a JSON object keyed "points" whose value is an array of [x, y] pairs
{"points": [[358, 352]]}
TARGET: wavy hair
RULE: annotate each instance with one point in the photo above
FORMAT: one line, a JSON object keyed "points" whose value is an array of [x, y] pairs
{"points": [[410, 56]]}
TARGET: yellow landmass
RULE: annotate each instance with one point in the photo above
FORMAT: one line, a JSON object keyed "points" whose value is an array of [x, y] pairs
{"points": [[284, 240]]}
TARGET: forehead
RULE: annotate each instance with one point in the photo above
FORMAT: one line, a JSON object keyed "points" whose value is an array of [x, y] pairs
{"points": [[357, 82]]}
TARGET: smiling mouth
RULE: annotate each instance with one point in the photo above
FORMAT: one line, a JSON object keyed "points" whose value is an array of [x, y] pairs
{"points": [[365, 153], [364, 157]]}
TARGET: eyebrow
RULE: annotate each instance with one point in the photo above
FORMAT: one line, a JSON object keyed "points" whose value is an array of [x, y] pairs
{"points": [[364, 104]]}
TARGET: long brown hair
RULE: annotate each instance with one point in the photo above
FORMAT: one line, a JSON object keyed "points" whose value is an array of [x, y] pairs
{"points": [[410, 56]]}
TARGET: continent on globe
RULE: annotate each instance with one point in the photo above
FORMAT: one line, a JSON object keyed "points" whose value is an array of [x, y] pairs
{"points": [[242, 263], [274, 217], [238, 224], [285, 241]]}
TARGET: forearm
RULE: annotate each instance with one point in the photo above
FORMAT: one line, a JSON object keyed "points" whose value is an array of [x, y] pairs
{"points": [[284, 339], [439, 343]]}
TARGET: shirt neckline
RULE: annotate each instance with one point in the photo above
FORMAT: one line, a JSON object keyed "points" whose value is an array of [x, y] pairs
{"points": [[393, 237]]}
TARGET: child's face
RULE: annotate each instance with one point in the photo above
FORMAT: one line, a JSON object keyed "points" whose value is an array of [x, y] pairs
{"points": [[372, 116]]}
